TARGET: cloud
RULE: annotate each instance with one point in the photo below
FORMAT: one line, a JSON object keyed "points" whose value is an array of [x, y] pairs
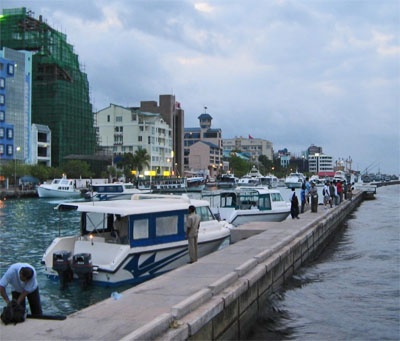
{"points": [[293, 72]]}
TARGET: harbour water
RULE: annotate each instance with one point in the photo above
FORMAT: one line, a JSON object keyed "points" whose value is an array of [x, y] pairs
{"points": [[350, 292]]}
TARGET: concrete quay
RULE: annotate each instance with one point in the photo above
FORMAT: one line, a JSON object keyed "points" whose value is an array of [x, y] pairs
{"points": [[218, 297]]}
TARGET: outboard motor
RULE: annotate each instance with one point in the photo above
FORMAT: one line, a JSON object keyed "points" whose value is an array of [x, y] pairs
{"points": [[82, 267], [62, 264]]}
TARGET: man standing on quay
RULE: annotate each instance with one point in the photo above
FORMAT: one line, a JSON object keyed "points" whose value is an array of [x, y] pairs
{"points": [[192, 230]]}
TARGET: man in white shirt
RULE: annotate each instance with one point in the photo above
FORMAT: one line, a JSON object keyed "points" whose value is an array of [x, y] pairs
{"points": [[22, 279]]}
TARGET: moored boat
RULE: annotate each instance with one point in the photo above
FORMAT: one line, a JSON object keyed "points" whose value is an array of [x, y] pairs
{"points": [[294, 180], [244, 205], [148, 240], [59, 188], [227, 180], [195, 183], [169, 185], [113, 191]]}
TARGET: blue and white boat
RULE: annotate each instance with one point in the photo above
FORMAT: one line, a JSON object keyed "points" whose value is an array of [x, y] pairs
{"points": [[149, 241], [113, 191], [248, 204]]}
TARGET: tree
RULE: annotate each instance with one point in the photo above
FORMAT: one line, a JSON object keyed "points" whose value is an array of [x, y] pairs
{"points": [[141, 159], [266, 163], [77, 169], [238, 165]]}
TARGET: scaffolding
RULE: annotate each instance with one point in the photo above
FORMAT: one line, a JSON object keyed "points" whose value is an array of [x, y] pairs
{"points": [[60, 90]]}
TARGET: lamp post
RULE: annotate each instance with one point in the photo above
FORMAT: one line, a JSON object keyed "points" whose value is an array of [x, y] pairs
{"points": [[15, 165]]}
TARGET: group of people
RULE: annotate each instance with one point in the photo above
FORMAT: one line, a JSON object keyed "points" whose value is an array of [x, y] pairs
{"points": [[308, 190], [334, 192]]}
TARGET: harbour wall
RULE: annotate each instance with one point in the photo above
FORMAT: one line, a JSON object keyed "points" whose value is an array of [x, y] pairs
{"points": [[218, 297], [226, 309]]}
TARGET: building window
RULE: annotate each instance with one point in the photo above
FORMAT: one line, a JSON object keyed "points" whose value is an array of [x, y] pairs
{"points": [[118, 119], [1, 149], [10, 69], [2, 116], [1, 133], [2, 83], [10, 149], [108, 118], [134, 117], [139, 138], [2, 99], [10, 133]]}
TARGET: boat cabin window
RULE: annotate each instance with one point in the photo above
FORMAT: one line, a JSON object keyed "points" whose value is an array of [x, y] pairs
{"points": [[228, 200], [140, 229], [103, 189], [166, 226], [162, 227], [96, 222], [205, 213], [264, 202], [276, 197]]}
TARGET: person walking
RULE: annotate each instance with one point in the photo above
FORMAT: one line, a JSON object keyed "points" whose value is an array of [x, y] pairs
{"points": [[303, 197], [326, 194], [192, 230], [23, 282], [294, 207]]}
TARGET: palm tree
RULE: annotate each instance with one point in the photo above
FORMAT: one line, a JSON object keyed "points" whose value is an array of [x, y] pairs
{"points": [[141, 159]]}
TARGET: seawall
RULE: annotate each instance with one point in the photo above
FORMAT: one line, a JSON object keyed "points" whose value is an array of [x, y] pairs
{"points": [[216, 298]]}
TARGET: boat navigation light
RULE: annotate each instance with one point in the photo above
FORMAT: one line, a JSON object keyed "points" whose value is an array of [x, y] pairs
{"points": [[91, 238]]}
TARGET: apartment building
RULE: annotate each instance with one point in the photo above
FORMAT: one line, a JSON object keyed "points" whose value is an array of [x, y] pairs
{"points": [[123, 130]]}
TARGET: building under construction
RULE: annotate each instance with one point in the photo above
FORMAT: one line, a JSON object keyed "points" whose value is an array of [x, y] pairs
{"points": [[60, 90]]}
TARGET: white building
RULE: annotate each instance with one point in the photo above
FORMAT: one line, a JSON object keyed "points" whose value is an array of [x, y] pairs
{"points": [[123, 130], [41, 145], [253, 146], [320, 164]]}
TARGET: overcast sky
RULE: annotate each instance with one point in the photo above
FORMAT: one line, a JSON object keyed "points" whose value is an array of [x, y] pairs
{"points": [[322, 72]]}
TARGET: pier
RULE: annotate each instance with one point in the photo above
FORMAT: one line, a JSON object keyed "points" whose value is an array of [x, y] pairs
{"points": [[216, 298]]}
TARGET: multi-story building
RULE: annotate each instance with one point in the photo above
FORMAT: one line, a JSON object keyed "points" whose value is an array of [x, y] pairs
{"points": [[41, 145], [203, 147], [123, 130], [7, 140], [172, 113], [15, 98], [254, 147], [60, 90], [320, 164]]}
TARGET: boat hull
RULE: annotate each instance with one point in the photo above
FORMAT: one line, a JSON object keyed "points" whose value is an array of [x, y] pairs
{"points": [[137, 266], [240, 217], [52, 193]]}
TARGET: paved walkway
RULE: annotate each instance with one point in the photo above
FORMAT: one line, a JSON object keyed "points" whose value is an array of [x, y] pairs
{"points": [[153, 301]]}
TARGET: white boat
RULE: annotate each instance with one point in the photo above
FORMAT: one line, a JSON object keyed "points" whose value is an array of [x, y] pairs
{"points": [[340, 176], [227, 180], [294, 180], [113, 191], [155, 239], [59, 188], [252, 178], [195, 183], [244, 205], [169, 185], [270, 181]]}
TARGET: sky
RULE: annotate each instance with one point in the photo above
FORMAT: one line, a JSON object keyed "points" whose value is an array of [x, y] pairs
{"points": [[296, 73]]}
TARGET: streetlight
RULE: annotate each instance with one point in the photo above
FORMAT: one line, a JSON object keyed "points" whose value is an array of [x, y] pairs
{"points": [[15, 165]]}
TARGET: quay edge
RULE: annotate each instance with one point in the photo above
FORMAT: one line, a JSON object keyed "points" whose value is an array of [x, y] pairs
{"points": [[216, 298]]}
